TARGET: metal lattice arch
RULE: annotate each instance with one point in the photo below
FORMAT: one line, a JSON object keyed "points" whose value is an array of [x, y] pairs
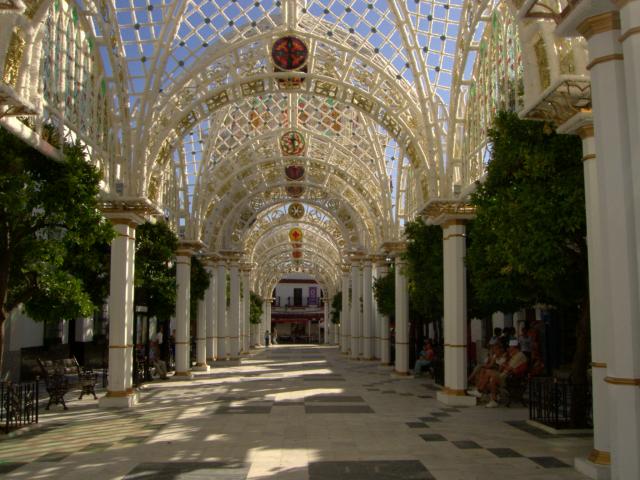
{"points": [[180, 106]]}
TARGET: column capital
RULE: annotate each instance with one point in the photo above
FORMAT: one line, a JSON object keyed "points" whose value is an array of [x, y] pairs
{"points": [[345, 268], [395, 248], [189, 247], [584, 18], [231, 256], [441, 212], [12, 6], [580, 124], [130, 211]]}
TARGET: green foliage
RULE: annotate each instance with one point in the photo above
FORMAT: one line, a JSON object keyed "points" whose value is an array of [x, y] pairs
{"points": [[424, 269], [384, 289], [200, 280], [336, 308], [53, 240], [255, 308], [155, 278], [527, 244]]}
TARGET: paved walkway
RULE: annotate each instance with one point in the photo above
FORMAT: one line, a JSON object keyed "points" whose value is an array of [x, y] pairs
{"points": [[291, 412]]}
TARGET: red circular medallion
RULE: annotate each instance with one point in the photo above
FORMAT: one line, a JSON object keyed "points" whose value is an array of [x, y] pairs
{"points": [[289, 53], [294, 172], [295, 191]]}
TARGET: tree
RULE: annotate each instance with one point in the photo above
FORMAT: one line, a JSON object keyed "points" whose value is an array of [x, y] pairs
{"points": [[528, 241], [336, 308], [255, 309], [424, 269], [384, 289], [155, 278], [53, 239]]}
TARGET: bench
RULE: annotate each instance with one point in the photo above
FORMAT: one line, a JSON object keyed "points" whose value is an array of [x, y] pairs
{"points": [[513, 389], [60, 375]]}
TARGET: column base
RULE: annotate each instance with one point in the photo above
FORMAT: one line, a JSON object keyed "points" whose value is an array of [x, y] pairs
{"points": [[200, 368], [455, 398], [593, 470], [119, 400], [400, 374], [183, 375]]}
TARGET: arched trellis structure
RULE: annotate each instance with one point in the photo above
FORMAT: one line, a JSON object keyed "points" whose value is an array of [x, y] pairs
{"points": [[181, 106], [317, 248]]}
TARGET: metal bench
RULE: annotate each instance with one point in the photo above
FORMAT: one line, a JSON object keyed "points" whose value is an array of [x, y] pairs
{"points": [[60, 375]]}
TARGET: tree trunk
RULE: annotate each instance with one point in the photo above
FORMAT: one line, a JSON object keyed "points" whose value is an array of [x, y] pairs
{"points": [[579, 367], [3, 317]]}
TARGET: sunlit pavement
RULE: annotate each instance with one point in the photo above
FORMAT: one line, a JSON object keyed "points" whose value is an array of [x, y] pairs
{"points": [[289, 412]]}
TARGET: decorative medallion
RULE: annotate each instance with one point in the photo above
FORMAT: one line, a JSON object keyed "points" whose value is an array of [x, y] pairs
{"points": [[294, 172], [289, 53], [296, 254], [296, 210], [292, 143], [295, 234], [295, 191]]}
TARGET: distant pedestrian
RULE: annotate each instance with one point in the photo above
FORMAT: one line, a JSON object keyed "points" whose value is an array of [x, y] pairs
{"points": [[274, 337], [266, 339]]}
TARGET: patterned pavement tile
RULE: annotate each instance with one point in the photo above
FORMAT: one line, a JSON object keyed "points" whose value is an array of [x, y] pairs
{"points": [[549, 462]]}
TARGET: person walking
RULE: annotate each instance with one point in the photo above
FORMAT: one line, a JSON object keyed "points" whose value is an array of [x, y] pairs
{"points": [[274, 337], [266, 339]]}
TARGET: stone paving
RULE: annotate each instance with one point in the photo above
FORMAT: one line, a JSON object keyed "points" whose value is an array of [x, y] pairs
{"points": [[289, 412]]}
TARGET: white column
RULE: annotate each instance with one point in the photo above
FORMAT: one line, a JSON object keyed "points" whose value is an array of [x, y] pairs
{"points": [[119, 390], [624, 370], [221, 315], [619, 242], [210, 300], [327, 321], [375, 317], [597, 462], [385, 354], [268, 316], [245, 311], [233, 322], [367, 311], [402, 318], [355, 311], [201, 338], [345, 315], [611, 99], [455, 315], [497, 320], [183, 286]]}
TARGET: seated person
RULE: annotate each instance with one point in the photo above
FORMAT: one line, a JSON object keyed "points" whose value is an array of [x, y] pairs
{"points": [[480, 375], [425, 357], [536, 366], [516, 366], [154, 359]]}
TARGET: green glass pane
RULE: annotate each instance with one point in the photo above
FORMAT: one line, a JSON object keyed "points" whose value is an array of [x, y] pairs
{"points": [[74, 15]]}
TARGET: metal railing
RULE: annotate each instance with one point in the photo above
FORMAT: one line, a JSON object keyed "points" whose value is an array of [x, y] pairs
{"points": [[18, 404], [559, 403]]}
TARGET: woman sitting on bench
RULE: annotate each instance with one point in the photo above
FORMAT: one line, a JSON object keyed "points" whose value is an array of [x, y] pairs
{"points": [[426, 356]]}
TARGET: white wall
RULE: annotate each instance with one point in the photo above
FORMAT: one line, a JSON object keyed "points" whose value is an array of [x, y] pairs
{"points": [[22, 332], [284, 290]]}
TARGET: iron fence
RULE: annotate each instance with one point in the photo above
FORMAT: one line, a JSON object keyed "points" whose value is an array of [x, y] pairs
{"points": [[18, 404], [559, 403]]}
